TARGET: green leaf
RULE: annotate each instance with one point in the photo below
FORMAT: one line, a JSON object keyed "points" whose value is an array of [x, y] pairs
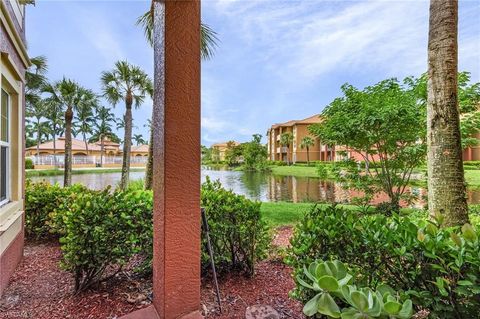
{"points": [[311, 307], [328, 283], [328, 307], [469, 233], [407, 310], [392, 307], [359, 300]]}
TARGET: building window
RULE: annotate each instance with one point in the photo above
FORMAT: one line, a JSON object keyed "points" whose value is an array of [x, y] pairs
{"points": [[4, 148]]}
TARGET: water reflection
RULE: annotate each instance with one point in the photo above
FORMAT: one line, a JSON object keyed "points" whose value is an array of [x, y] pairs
{"points": [[260, 186]]}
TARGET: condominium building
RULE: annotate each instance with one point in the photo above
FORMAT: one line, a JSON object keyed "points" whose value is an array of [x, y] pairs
{"points": [[13, 63], [294, 152], [219, 149]]}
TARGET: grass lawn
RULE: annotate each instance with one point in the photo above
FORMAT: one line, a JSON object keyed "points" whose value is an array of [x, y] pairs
{"points": [[53, 172], [302, 171], [472, 176]]}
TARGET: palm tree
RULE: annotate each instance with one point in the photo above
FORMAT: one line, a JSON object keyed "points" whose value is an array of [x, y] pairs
{"points": [[37, 109], [130, 84], [139, 140], [208, 39], [70, 95], [102, 128], [86, 119], [55, 122], [446, 181], [306, 143], [35, 80], [285, 140]]}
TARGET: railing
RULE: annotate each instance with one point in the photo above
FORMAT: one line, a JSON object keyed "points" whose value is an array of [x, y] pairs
{"points": [[79, 160]]}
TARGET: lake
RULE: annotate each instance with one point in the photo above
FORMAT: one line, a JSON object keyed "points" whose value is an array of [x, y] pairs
{"points": [[258, 186]]}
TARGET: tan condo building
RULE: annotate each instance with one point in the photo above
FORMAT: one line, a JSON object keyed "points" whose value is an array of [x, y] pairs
{"points": [[219, 149], [14, 61], [294, 152]]}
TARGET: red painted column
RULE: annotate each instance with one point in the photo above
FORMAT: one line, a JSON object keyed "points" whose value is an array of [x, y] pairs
{"points": [[176, 273]]}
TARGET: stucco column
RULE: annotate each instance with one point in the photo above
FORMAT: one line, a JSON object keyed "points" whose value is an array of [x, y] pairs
{"points": [[176, 151], [176, 182]]}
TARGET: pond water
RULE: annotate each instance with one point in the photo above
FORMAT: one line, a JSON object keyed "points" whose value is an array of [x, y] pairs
{"points": [[259, 186]]}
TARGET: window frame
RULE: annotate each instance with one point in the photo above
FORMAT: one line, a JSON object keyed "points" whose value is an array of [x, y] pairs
{"points": [[7, 146]]}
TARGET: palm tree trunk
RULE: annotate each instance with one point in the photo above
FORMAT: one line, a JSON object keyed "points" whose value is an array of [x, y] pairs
{"points": [[127, 143], [149, 173], [308, 157], [67, 176], [102, 148], [85, 141], [54, 149], [38, 138], [446, 181]]}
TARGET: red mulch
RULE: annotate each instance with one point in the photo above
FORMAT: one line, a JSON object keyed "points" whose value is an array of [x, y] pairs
{"points": [[282, 236], [40, 289]]}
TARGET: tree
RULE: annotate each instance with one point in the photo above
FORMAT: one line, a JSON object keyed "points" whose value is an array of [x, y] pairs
{"points": [[232, 153], [70, 95], [208, 38], [254, 154], [139, 140], [85, 119], [37, 109], [102, 128], [446, 181], [55, 123], [384, 123], [285, 140], [306, 143], [35, 80], [130, 84]]}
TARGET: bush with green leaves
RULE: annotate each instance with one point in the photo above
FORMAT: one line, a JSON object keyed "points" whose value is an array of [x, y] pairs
{"points": [[41, 201], [337, 297], [104, 229], [29, 163], [439, 268], [239, 235]]}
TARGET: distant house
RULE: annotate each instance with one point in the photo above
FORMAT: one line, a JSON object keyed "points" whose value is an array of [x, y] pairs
{"points": [[85, 154], [219, 149], [13, 64]]}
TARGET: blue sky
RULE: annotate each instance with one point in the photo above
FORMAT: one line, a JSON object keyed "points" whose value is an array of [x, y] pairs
{"points": [[276, 60]]}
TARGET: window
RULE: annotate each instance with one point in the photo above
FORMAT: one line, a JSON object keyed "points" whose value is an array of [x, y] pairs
{"points": [[4, 148]]}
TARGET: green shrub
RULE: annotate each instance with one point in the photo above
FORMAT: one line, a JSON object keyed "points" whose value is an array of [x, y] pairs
{"points": [[41, 201], [276, 163], [322, 170], [333, 287], [239, 236], [29, 163], [439, 268], [104, 229]]}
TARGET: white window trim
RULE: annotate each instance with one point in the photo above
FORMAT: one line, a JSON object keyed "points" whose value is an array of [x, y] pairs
{"points": [[7, 144]]}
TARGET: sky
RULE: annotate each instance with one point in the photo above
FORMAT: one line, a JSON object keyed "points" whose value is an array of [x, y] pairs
{"points": [[276, 60]]}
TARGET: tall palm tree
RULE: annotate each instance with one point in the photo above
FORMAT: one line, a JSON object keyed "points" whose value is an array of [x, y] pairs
{"points": [[35, 80], [85, 118], [37, 109], [306, 143], [446, 181], [55, 122], [208, 39], [102, 128], [70, 95], [139, 140], [285, 140], [130, 84]]}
